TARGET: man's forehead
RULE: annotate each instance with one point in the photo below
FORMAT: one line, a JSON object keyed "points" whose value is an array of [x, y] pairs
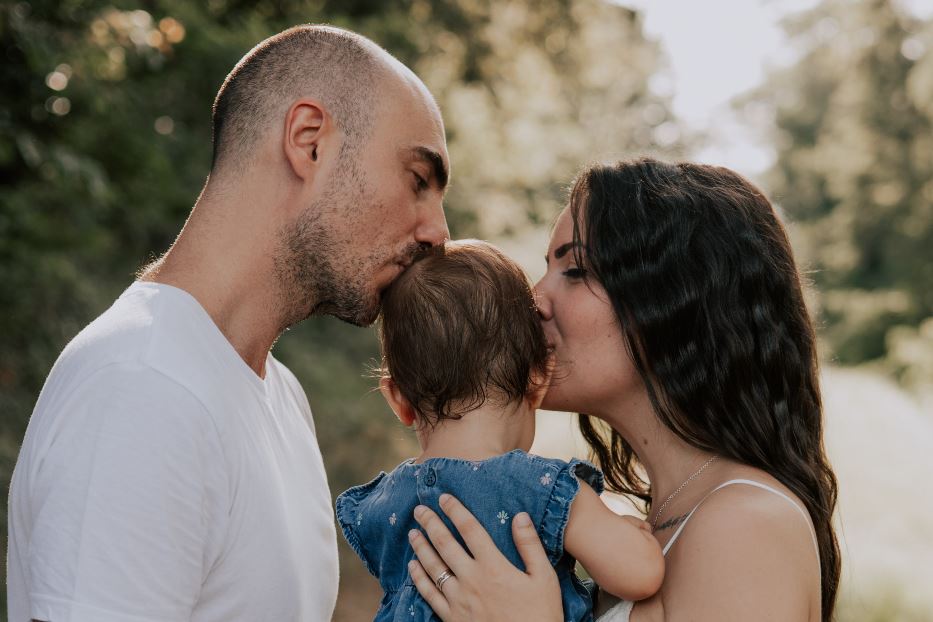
{"points": [[417, 120], [418, 103]]}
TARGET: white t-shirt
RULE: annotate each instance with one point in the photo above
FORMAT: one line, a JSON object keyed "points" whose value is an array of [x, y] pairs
{"points": [[161, 479]]}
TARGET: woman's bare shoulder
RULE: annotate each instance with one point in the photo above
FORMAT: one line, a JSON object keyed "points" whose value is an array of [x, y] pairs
{"points": [[747, 547]]}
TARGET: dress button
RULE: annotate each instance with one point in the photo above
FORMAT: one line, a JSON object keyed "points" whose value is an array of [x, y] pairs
{"points": [[430, 478]]}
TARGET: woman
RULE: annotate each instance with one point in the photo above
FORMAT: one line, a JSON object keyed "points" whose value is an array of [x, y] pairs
{"points": [[676, 313]]}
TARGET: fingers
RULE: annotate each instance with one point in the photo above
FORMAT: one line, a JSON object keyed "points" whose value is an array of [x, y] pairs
{"points": [[529, 545], [470, 529], [430, 560], [444, 542], [428, 589]]}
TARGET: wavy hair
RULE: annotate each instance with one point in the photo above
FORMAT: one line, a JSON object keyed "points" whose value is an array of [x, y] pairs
{"points": [[702, 279]]}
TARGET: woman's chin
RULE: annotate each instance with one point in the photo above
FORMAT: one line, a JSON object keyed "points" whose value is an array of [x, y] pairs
{"points": [[553, 401]]}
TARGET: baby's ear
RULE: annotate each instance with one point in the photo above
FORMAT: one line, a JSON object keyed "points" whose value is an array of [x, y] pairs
{"points": [[396, 401], [540, 381]]}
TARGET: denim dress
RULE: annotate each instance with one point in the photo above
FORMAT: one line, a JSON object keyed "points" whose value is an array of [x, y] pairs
{"points": [[376, 518]]}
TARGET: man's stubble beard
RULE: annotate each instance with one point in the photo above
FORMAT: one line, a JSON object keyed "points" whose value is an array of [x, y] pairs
{"points": [[316, 273]]}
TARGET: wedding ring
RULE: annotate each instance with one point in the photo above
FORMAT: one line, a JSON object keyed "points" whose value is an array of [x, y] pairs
{"points": [[442, 578]]}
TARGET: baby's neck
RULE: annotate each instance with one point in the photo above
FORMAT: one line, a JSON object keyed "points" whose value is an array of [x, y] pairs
{"points": [[488, 431]]}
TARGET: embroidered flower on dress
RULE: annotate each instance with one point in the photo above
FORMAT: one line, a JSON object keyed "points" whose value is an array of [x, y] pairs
{"points": [[359, 518], [502, 516], [476, 465], [411, 610], [392, 519], [545, 479]]}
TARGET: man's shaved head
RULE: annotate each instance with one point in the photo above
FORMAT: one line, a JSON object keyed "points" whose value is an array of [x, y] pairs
{"points": [[344, 147], [339, 68]]}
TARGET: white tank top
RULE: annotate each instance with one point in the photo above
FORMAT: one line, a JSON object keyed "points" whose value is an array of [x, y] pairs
{"points": [[623, 609]]}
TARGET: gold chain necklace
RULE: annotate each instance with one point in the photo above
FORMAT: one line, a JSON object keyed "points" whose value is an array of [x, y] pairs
{"points": [[657, 516]]}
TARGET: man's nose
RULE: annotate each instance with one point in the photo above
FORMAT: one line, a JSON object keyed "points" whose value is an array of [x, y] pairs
{"points": [[433, 228]]}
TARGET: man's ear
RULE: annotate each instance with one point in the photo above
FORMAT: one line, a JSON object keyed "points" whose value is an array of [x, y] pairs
{"points": [[540, 381], [397, 402], [309, 133]]}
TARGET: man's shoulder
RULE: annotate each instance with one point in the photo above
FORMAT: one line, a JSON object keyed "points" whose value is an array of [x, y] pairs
{"points": [[122, 353], [121, 333], [116, 340], [164, 330]]}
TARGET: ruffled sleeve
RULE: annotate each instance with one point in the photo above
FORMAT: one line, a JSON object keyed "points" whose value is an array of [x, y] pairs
{"points": [[557, 511], [350, 515]]}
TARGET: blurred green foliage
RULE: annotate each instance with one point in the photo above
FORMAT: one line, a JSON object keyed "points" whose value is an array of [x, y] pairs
{"points": [[105, 144], [854, 134]]}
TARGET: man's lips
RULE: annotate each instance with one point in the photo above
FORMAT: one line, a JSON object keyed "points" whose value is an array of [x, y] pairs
{"points": [[400, 265]]}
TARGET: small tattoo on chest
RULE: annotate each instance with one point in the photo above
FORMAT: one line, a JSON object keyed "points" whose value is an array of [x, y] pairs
{"points": [[671, 522]]}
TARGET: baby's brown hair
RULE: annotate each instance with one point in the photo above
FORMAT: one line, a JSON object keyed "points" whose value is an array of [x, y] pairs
{"points": [[458, 327]]}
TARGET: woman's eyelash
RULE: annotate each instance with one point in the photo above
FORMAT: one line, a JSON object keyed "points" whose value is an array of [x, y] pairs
{"points": [[575, 273]]}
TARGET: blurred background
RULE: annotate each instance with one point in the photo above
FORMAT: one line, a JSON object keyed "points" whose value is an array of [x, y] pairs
{"points": [[827, 104]]}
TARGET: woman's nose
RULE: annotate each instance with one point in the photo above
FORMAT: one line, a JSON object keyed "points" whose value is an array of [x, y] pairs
{"points": [[542, 302]]}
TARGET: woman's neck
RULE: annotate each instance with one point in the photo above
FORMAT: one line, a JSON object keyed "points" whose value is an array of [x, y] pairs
{"points": [[487, 431], [666, 458]]}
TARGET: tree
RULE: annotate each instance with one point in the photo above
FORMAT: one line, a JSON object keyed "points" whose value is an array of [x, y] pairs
{"points": [[854, 170]]}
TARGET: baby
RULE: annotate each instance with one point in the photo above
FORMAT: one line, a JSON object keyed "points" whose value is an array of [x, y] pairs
{"points": [[466, 363]]}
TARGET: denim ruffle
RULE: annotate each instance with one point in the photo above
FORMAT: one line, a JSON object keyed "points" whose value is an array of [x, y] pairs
{"points": [[557, 511], [346, 508]]}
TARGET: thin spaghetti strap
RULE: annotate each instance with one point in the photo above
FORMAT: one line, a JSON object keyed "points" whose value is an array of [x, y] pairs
{"points": [[800, 511], [670, 542], [676, 535], [747, 482]]}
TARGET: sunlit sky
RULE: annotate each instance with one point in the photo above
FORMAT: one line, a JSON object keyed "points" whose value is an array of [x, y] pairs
{"points": [[716, 50]]}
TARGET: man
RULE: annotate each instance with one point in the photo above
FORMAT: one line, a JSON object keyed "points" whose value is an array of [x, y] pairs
{"points": [[170, 470]]}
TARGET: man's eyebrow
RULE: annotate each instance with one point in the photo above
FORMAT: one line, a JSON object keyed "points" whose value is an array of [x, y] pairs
{"points": [[562, 250], [438, 168]]}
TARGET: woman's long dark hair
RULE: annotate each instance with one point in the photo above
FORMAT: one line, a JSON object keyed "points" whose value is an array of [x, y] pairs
{"points": [[702, 278]]}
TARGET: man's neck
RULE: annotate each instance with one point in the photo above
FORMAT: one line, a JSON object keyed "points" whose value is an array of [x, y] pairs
{"points": [[232, 277]]}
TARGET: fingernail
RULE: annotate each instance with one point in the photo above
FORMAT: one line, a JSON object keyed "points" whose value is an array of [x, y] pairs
{"points": [[419, 510], [522, 519], [413, 534]]}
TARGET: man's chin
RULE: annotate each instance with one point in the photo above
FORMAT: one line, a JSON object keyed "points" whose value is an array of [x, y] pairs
{"points": [[351, 307], [360, 322], [359, 316]]}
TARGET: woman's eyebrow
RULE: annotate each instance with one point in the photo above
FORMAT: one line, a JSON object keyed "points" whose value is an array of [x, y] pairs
{"points": [[561, 250]]}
